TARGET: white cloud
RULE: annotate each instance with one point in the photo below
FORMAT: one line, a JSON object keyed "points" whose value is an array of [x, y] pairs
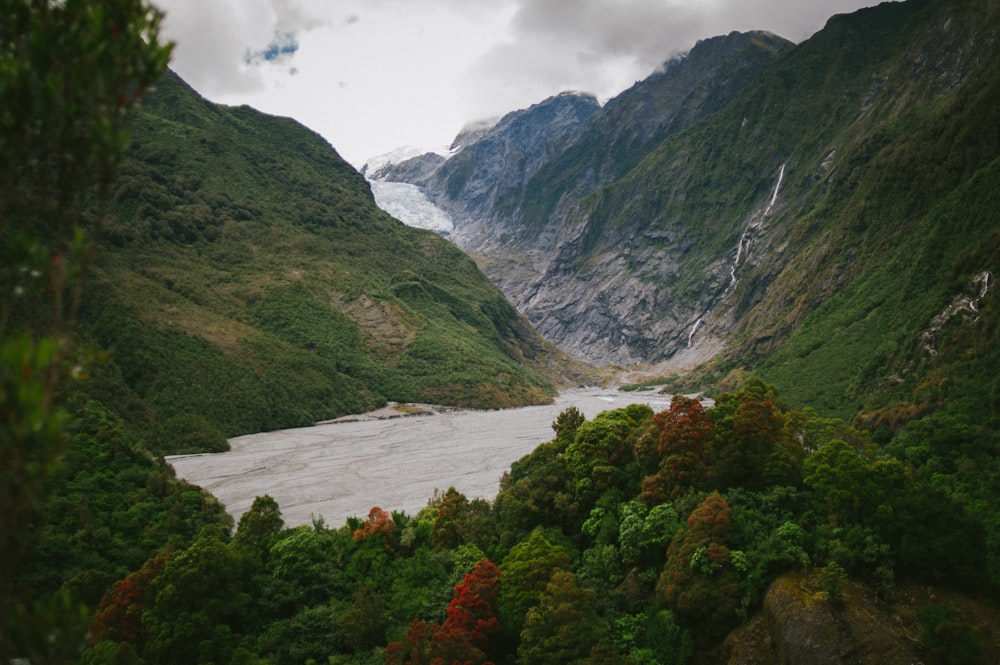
{"points": [[371, 75]]}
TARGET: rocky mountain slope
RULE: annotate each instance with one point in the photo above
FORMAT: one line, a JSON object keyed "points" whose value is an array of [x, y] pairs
{"points": [[248, 282], [493, 160], [503, 230], [785, 209]]}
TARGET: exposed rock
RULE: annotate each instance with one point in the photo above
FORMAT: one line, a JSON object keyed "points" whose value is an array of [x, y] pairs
{"points": [[507, 155], [797, 625], [414, 170]]}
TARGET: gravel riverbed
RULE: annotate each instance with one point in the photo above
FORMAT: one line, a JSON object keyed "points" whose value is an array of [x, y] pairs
{"points": [[342, 468]]}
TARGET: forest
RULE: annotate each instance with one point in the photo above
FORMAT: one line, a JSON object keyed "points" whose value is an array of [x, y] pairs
{"points": [[631, 538]]}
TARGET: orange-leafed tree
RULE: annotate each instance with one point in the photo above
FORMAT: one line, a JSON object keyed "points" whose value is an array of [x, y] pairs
{"points": [[379, 526]]}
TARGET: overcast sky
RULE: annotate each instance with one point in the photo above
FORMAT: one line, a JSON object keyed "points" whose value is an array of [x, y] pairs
{"points": [[374, 75]]}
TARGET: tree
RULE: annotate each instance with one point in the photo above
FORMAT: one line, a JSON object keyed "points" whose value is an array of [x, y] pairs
{"points": [[565, 626], [464, 636], [598, 455], [527, 569], [460, 520], [538, 491], [685, 444], [70, 72], [379, 526], [566, 424], [699, 581], [259, 527], [470, 620], [757, 442], [838, 479], [119, 616], [195, 604], [364, 621]]}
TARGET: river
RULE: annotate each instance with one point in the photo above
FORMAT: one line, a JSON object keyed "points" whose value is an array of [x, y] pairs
{"points": [[341, 469]]}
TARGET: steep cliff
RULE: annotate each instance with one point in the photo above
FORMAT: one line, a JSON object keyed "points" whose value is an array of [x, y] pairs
{"points": [[681, 250]]}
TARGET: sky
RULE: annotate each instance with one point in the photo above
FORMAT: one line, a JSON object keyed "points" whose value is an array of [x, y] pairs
{"points": [[371, 76]]}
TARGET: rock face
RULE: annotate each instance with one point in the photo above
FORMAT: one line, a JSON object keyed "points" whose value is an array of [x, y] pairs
{"points": [[562, 150], [799, 626], [493, 159], [795, 627], [603, 294]]}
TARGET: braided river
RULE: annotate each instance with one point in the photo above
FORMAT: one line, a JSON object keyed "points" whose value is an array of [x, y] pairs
{"points": [[335, 470]]}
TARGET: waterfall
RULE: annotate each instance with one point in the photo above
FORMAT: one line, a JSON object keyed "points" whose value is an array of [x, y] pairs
{"points": [[745, 242], [693, 329], [774, 197], [753, 225]]}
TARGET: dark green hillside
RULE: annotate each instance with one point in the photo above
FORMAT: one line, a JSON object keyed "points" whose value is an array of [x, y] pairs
{"points": [[248, 282]]}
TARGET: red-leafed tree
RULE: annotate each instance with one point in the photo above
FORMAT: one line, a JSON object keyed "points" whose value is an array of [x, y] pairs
{"points": [[119, 615], [473, 609], [685, 446], [464, 637]]}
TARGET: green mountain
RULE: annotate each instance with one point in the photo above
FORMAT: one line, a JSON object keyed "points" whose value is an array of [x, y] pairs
{"points": [[813, 225], [248, 282]]}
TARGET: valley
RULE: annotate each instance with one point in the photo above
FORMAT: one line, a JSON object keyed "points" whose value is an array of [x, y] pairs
{"points": [[218, 345]]}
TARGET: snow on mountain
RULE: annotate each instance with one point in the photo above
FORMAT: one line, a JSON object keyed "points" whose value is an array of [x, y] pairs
{"points": [[373, 164]]}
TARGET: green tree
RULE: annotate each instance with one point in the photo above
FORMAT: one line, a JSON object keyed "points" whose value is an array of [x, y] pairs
{"points": [[599, 455], [196, 606], [566, 424], [527, 569], [460, 520], [538, 491], [70, 72], [565, 626], [838, 478], [259, 527]]}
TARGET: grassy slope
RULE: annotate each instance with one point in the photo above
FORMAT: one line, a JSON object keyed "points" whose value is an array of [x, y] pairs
{"points": [[248, 282]]}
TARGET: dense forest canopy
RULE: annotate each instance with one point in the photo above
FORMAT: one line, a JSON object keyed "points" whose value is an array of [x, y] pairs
{"points": [[633, 537]]}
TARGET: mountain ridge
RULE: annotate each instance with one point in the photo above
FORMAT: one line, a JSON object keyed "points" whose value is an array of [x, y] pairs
{"points": [[702, 243]]}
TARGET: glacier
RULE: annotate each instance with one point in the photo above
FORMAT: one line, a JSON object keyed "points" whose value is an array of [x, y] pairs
{"points": [[409, 205]]}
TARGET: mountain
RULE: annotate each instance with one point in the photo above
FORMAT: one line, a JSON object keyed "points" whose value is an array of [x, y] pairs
{"points": [[504, 232], [490, 160], [808, 212], [249, 282]]}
